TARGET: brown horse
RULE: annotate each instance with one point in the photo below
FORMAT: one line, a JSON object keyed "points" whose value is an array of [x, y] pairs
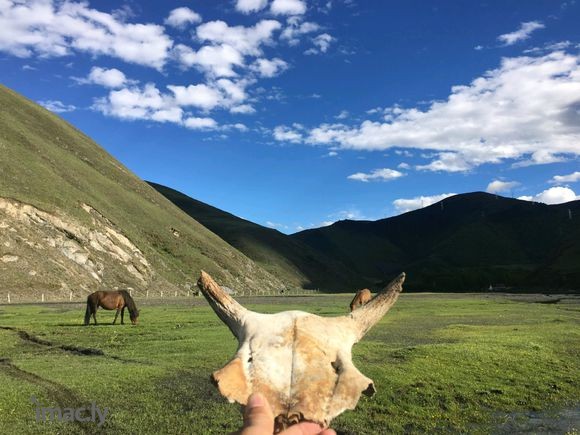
{"points": [[361, 298], [114, 300]]}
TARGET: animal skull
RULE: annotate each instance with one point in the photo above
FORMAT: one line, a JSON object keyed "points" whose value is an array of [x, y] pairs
{"points": [[300, 362]]}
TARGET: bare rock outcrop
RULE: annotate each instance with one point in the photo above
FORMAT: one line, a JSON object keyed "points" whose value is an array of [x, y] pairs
{"points": [[49, 250]]}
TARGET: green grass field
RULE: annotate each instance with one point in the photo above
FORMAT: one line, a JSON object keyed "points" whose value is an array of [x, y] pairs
{"points": [[461, 363]]}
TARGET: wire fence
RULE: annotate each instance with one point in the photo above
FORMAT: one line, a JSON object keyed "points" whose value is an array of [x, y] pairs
{"points": [[9, 298]]}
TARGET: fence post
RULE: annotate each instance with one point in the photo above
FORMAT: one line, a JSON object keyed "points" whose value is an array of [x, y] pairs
{"points": [[8, 297], [43, 297], [161, 294], [147, 295], [70, 297], [175, 293]]}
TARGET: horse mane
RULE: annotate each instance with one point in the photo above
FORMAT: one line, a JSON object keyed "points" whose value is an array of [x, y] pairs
{"points": [[129, 303]]}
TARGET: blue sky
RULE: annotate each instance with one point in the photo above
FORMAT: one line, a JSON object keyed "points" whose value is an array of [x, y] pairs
{"points": [[298, 113]]}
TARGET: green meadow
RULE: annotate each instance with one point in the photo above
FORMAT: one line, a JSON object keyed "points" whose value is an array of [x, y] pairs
{"points": [[440, 363]]}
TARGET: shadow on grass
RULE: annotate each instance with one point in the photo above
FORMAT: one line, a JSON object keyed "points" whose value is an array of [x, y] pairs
{"points": [[197, 403], [98, 325]]}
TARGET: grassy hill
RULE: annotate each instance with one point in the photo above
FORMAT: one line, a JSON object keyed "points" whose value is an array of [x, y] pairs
{"points": [[466, 242], [289, 259], [72, 217]]}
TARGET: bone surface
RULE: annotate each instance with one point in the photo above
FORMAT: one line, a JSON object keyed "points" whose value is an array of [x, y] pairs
{"points": [[300, 362]]}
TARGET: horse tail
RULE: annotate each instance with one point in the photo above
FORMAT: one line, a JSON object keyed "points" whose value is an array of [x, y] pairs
{"points": [[88, 311]]}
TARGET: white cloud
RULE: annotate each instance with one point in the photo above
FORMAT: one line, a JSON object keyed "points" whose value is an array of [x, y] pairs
{"points": [[181, 17], [404, 205], [526, 109], [195, 123], [57, 106], [288, 7], [404, 165], [171, 114], [541, 157], [201, 96], [134, 103], [351, 214], [239, 126], [498, 186], [447, 162], [552, 46], [149, 103], [248, 6], [276, 225], [48, 28], [228, 47], [570, 178], [343, 114], [235, 91], [109, 78], [553, 195], [523, 33], [269, 68], [347, 214], [321, 44], [246, 40], [286, 134], [296, 28], [216, 61], [405, 153], [375, 110], [378, 174], [244, 109]]}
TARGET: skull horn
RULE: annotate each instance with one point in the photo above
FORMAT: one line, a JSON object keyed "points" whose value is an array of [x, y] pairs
{"points": [[369, 314], [226, 307]]}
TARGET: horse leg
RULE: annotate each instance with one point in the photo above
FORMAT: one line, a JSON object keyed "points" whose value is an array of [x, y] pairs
{"points": [[122, 315], [88, 313], [95, 313], [116, 315]]}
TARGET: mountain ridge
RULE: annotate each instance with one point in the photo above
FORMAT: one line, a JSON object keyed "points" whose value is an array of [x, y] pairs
{"points": [[73, 217], [476, 230], [295, 262]]}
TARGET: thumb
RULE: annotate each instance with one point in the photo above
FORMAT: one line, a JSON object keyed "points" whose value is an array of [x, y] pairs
{"points": [[258, 418]]}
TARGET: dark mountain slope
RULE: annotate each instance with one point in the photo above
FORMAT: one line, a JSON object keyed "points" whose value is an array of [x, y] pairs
{"points": [[291, 260], [465, 242]]}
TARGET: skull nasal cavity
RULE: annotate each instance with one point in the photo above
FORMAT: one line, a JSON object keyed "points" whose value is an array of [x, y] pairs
{"points": [[370, 391], [337, 366]]}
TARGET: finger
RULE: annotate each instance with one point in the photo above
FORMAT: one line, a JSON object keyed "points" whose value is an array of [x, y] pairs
{"points": [[258, 418]]}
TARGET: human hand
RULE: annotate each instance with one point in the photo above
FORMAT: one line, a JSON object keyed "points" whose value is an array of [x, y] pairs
{"points": [[258, 420]]}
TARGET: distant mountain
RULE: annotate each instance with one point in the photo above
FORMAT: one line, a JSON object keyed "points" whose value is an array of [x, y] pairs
{"points": [[289, 259], [464, 243], [74, 218]]}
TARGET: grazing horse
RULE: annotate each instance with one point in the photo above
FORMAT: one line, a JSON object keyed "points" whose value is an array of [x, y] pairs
{"points": [[361, 298], [114, 300]]}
